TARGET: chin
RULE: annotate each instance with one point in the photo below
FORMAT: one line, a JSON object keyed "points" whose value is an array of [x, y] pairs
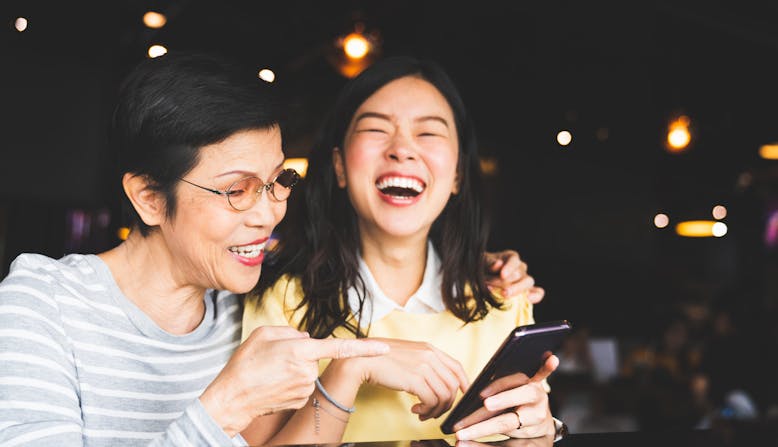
{"points": [[243, 285], [404, 231]]}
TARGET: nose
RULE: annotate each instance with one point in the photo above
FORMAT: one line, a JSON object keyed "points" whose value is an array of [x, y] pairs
{"points": [[401, 148], [265, 212]]}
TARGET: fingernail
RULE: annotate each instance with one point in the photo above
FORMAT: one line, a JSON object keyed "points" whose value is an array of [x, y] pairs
{"points": [[463, 435], [490, 404]]}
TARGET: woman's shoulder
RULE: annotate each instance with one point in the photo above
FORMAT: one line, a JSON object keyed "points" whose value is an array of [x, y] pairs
{"points": [[41, 269], [40, 283], [516, 305]]}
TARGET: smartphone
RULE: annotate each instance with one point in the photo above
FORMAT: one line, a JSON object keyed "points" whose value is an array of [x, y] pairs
{"points": [[524, 350]]}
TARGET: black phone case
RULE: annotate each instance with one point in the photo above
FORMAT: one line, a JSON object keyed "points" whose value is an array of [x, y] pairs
{"points": [[524, 350]]}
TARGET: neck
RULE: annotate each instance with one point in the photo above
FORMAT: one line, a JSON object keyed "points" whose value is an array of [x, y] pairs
{"points": [[143, 269], [396, 264]]}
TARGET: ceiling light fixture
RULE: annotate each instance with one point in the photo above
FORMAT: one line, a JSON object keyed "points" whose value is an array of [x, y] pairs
{"points": [[353, 52]]}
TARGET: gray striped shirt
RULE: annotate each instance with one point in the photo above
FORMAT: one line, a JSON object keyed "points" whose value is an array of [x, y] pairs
{"points": [[80, 364]]}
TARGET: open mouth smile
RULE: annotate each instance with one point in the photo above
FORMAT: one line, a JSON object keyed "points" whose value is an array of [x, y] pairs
{"points": [[400, 188], [249, 254]]}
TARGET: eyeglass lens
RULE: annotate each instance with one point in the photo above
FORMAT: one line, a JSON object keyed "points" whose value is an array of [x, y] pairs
{"points": [[244, 193]]}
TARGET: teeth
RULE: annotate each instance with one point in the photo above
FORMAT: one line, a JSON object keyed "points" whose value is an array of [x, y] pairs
{"points": [[400, 182], [248, 251]]}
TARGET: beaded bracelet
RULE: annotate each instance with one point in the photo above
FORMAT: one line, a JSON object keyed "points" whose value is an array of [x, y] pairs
{"points": [[331, 400]]}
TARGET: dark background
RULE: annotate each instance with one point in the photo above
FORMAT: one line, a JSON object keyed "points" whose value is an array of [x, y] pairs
{"points": [[611, 72]]}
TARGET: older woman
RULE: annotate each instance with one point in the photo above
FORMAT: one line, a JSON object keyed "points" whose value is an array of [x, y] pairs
{"points": [[137, 345]]}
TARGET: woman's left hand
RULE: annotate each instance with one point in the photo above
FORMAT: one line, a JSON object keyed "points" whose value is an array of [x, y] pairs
{"points": [[507, 273], [529, 415]]}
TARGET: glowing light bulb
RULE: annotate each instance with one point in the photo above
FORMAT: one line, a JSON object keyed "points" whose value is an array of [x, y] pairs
{"points": [[157, 51], [564, 138], [355, 46], [719, 229], [678, 135], [661, 220], [21, 24], [267, 75], [154, 19]]}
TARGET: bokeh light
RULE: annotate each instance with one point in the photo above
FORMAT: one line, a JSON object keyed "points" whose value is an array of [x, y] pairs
{"points": [[154, 19], [21, 24], [157, 51], [356, 46], [564, 138], [267, 75], [661, 220]]}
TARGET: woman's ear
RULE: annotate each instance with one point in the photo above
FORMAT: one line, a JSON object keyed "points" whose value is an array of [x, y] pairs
{"points": [[339, 166], [147, 201]]}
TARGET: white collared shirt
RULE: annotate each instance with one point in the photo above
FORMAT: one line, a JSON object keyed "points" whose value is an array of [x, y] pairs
{"points": [[426, 299]]}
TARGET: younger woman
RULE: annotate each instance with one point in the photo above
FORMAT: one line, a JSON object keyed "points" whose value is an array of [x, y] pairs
{"points": [[390, 246]]}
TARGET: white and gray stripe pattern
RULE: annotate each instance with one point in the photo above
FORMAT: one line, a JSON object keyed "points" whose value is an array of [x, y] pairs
{"points": [[81, 365]]}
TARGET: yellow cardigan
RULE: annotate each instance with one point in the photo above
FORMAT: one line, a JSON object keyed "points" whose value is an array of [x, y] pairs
{"points": [[383, 414]]}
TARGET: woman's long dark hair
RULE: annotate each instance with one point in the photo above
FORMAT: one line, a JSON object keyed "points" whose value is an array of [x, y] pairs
{"points": [[320, 241]]}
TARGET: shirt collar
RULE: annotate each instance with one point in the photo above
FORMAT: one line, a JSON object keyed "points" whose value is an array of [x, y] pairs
{"points": [[427, 299]]}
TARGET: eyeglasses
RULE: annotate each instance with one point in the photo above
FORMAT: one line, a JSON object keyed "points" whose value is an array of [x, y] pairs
{"points": [[244, 193]]}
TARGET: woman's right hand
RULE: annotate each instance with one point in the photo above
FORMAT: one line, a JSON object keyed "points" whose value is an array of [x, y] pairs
{"points": [[416, 368], [274, 370]]}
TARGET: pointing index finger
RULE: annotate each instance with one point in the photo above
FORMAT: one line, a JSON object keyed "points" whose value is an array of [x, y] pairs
{"points": [[339, 348]]}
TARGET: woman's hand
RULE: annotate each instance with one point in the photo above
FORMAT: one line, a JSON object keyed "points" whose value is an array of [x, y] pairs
{"points": [[507, 273], [274, 370], [543, 441], [527, 400], [416, 368]]}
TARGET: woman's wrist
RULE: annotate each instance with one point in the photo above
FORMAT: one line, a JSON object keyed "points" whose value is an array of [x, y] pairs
{"points": [[351, 370], [217, 408]]}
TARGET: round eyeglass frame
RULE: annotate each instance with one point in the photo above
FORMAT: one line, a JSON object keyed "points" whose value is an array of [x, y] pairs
{"points": [[269, 186]]}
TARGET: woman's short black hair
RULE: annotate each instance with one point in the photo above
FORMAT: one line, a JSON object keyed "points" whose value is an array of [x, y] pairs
{"points": [[171, 106]]}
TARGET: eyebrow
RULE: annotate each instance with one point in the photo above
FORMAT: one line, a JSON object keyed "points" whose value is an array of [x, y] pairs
{"points": [[247, 173], [388, 118]]}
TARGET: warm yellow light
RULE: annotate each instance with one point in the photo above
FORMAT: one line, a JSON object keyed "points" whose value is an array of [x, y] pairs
{"points": [[719, 212], [20, 24], [122, 233], [298, 164], [661, 220], [678, 135], [154, 19], [356, 46], [267, 75], [488, 166], [564, 138], [701, 228], [769, 151], [157, 51]]}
